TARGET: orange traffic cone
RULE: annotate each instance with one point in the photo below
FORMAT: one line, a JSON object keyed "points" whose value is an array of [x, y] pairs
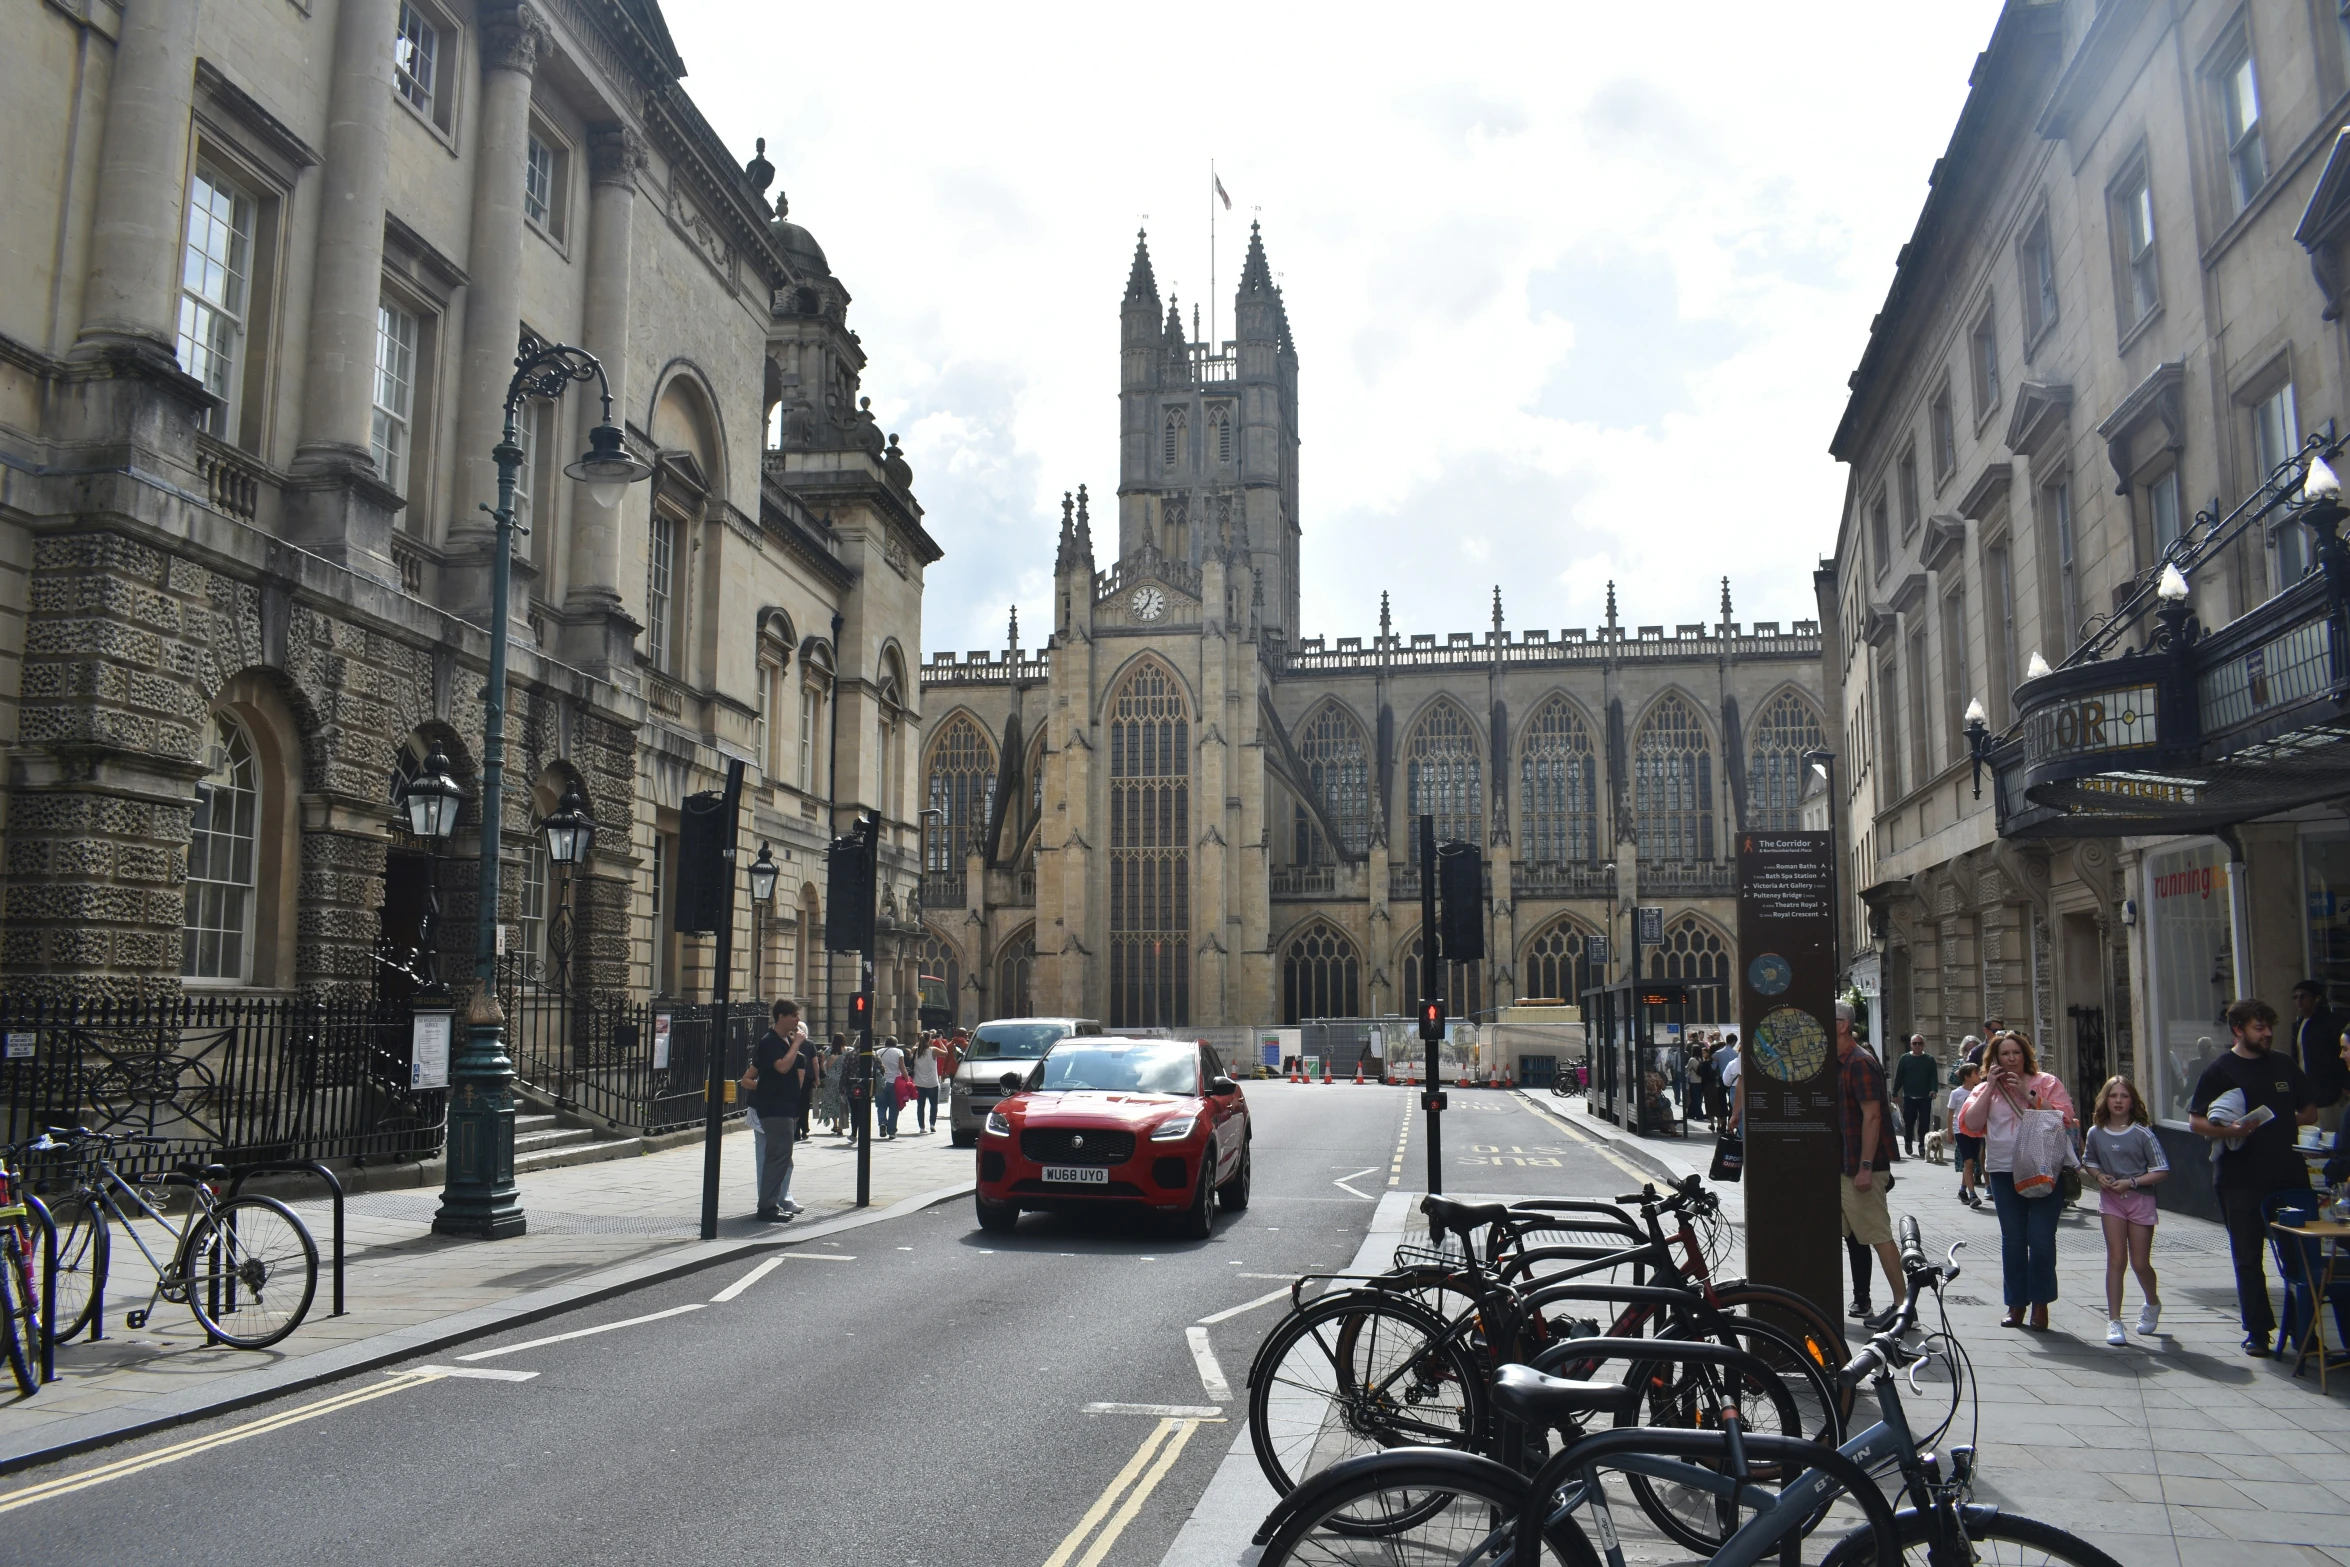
{"points": [[1358, 1074], [1325, 1072]]}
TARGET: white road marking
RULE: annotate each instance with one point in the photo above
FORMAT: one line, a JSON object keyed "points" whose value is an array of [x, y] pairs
{"points": [[1340, 1183], [557, 1338], [1292, 1277], [1211, 1375], [1163, 1411], [814, 1256], [485, 1373], [747, 1280], [1229, 1312]]}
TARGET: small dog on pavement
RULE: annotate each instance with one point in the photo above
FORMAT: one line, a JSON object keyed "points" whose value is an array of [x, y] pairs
{"points": [[1937, 1148]]}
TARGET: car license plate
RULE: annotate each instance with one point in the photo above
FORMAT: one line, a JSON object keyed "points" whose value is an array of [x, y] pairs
{"points": [[1083, 1175]]}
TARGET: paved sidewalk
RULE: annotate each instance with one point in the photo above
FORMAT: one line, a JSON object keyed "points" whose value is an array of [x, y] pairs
{"points": [[2177, 1451], [584, 1222]]}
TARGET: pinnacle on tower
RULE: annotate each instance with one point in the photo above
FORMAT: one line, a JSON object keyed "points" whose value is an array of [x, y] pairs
{"points": [[1084, 529], [1497, 609], [1256, 275], [1141, 284], [1725, 605], [1068, 537], [1611, 604], [1174, 323], [1012, 638], [1386, 623]]}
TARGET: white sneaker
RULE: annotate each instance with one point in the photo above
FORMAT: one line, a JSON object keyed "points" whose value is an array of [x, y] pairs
{"points": [[2114, 1334], [2150, 1320], [791, 1207]]}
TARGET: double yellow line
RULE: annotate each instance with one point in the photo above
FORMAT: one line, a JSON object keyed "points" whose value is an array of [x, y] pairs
{"points": [[1150, 1463], [67, 1484]]}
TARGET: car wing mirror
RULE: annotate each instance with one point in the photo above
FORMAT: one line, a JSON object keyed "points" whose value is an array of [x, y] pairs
{"points": [[1009, 1082], [1222, 1085]]}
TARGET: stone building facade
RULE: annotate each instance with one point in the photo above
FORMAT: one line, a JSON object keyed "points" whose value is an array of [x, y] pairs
{"points": [[2105, 334], [1181, 811], [270, 266]]}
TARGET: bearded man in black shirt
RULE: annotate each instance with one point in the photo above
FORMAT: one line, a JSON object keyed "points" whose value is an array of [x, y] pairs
{"points": [[2265, 1162]]}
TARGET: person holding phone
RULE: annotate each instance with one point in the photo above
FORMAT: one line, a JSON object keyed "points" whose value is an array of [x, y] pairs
{"points": [[2027, 1225]]}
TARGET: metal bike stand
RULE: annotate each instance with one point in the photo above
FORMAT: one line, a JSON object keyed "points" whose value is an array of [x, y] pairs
{"points": [[334, 1186]]}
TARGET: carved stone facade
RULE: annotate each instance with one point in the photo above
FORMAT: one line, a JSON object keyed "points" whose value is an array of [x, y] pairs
{"points": [[1181, 812], [250, 378]]}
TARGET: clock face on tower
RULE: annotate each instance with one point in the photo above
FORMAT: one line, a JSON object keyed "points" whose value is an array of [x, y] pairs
{"points": [[1149, 603]]}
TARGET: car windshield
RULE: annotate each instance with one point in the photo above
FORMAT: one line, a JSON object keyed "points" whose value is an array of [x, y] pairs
{"points": [[1014, 1041], [1133, 1069]]}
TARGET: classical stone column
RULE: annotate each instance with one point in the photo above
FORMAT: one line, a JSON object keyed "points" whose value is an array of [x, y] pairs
{"points": [[598, 633], [512, 38], [127, 301], [338, 505]]}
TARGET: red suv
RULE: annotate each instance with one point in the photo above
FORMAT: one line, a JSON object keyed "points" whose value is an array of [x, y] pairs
{"points": [[1153, 1122]]}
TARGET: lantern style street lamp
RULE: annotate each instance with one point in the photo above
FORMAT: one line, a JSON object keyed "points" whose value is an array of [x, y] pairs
{"points": [[479, 1197], [763, 871], [431, 803], [568, 831]]}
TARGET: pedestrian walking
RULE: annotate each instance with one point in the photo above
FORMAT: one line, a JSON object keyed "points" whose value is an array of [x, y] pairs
{"points": [[889, 1064], [832, 1085], [1868, 1164], [2317, 1037], [781, 1097], [2268, 1096], [2027, 1225], [929, 1066], [1732, 1066], [2122, 1152], [1965, 1152], [1917, 1077]]}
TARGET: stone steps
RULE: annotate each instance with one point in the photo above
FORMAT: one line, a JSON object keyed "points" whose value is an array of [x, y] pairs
{"points": [[541, 1142]]}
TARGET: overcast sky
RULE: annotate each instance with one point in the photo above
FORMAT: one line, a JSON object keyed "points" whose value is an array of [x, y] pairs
{"points": [[1575, 287]]}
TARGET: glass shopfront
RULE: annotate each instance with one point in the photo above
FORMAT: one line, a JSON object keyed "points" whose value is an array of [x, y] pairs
{"points": [[2190, 978], [2325, 892]]}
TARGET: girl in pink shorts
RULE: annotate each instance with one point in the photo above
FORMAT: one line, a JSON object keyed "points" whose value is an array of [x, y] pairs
{"points": [[2125, 1157]]}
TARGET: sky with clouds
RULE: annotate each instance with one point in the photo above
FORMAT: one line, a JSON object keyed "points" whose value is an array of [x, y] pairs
{"points": [[1575, 287]]}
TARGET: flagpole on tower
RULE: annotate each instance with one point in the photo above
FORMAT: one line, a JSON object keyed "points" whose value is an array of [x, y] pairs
{"points": [[1214, 185]]}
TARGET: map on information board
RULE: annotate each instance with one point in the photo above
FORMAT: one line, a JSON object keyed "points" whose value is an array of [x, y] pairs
{"points": [[1790, 1045]]}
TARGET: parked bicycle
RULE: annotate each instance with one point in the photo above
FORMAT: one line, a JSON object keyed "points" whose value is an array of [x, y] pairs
{"points": [[246, 1267], [1440, 1505], [23, 1225]]}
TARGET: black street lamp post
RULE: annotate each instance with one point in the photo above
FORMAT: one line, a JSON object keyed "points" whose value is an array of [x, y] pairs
{"points": [[479, 1197]]}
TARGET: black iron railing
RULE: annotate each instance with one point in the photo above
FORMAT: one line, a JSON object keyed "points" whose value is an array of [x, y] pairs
{"points": [[227, 1079], [638, 1065]]}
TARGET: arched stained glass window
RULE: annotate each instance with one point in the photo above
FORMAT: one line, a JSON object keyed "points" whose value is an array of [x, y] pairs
{"points": [[1150, 851], [1321, 975], [222, 841], [1559, 791], [1015, 963], [1673, 783], [1556, 967], [962, 790], [1697, 952], [1445, 777], [939, 980], [1775, 769], [1464, 989], [1338, 765]]}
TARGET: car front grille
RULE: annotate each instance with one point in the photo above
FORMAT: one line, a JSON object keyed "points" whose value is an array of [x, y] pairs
{"points": [[1077, 1145]]}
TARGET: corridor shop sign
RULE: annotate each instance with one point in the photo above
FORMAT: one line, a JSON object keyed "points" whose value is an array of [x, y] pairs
{"points": [[1786, 1006]]}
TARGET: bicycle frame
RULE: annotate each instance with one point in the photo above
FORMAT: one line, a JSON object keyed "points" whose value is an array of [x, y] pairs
{"points": [[97, 1191]]}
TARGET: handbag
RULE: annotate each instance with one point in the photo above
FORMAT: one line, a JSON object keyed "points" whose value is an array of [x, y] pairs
{"points": [[2043, 1151], [1729, 1157]]}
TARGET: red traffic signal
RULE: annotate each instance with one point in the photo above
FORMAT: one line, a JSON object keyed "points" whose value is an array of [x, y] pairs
{"points": [[1432, 1022], [861, 1009]]}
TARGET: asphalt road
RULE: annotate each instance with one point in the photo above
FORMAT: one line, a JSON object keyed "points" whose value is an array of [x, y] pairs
{"points": [[912, 1392]]}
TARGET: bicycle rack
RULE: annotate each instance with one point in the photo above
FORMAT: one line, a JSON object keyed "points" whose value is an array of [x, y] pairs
{"points": [[334, 1185]]}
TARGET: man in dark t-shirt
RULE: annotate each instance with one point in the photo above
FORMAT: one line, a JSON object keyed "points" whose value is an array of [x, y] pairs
{"points": [[786, 1078], [2265, 1162]]}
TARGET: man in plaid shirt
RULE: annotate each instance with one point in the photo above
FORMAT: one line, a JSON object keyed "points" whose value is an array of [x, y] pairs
{"points": [[1868, 1154]]}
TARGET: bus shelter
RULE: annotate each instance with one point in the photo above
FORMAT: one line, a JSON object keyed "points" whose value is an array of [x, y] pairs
{"points": [[1639, 1067]]}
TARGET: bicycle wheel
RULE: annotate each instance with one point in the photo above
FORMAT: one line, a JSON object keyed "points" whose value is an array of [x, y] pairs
{"points": [[1999, 1540], [85, 1246], [1409, 1513], [1359, 1373], [251, 1270], [1819, 1341], [1690, 1396], [17, 1323]]}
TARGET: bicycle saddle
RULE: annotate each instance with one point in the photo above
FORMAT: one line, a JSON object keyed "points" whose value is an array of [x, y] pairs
{"points": [[1446, 1217], [1525, 1394]]}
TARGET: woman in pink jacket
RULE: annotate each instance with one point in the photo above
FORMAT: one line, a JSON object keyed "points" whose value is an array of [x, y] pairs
{"points": [[2027, 1225]]}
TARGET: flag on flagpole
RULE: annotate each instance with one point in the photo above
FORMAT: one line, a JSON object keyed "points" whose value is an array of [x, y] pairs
{"points": [[1221, 194]]}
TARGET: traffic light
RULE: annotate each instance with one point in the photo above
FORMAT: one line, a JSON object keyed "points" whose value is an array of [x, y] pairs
{"points": [[705, 830], [1460, 885], [1432, 1022], [848, 889], [861, 1010]]}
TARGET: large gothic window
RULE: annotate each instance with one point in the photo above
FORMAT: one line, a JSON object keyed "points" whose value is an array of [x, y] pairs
{"points": [[1775, 769], [939, 979], [1150, 851], [1446, 778], [222, 858], [1557, 967], [962, 790], [1673, 783], [1015, 965], [1321, 975], [1559, 788], [1696, 952], [1464, 989], [1338, 765]]}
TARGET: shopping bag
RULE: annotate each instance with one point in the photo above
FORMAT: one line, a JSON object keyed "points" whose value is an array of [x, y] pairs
{"points": [[1729, 1157], [2043, 1151]]}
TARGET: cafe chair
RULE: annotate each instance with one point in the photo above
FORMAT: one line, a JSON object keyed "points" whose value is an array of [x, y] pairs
{"points": [[2301, 1263]]}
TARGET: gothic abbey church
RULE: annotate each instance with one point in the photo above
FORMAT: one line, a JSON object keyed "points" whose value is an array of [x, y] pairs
{"points": [[1181, 811]]}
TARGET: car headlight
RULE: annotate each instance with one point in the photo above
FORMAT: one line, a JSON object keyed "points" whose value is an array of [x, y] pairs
{"points": [[1174, 1129], [998, 1124]]}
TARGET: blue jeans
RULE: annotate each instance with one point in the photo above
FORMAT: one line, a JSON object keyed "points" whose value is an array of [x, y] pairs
{"points": [[887, 1103], [925, 1108], [2027, 1242]]}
